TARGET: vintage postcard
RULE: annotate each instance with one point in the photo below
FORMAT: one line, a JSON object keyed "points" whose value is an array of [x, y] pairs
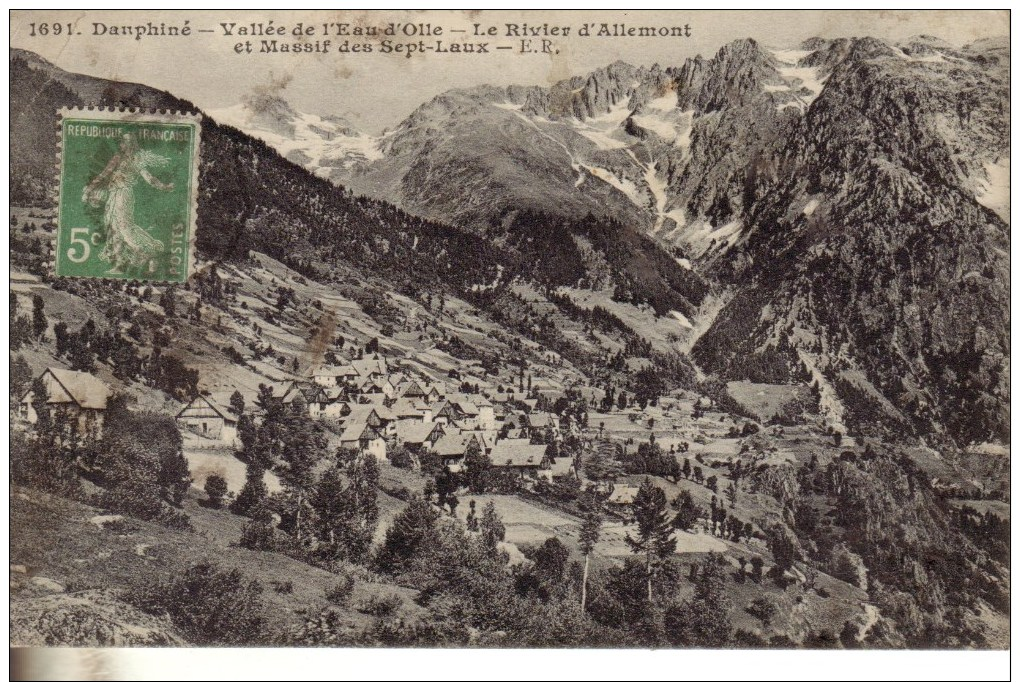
{"points": [[510, 329]]}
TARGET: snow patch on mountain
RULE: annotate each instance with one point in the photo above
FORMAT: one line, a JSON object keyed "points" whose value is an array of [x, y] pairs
{"points": [[702, 238], [625, 185], [606, 130], [679, 317], [665, 103], [672, 125], [657, 125], [791, 56], [657, 186], [934, 56], [602, 140], [683, 138], [993, 190], [319, 144], [805, 83]]}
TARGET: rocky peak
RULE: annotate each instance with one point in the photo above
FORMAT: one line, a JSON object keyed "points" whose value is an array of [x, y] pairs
{"points": [[584, 97], [269, 111], [733, 77]]}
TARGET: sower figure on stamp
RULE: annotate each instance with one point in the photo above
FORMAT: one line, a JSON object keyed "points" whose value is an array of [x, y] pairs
{"points": [[128, 245]]}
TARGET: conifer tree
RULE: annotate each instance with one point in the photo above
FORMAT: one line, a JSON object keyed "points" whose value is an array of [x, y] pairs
{"points": [[654, 530]]}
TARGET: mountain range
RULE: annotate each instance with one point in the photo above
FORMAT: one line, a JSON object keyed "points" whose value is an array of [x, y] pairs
{"points": [[836, 213]]}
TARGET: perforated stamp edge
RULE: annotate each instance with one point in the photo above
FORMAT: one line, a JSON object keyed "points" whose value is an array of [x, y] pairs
{"points": [[139, 115]]}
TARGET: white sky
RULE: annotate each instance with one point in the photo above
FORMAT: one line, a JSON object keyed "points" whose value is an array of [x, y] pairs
{"points": [[375, 91]]}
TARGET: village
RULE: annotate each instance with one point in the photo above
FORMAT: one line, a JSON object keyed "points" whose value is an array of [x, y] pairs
{"points": [[374, 410], [367, 408], [374, 407]]}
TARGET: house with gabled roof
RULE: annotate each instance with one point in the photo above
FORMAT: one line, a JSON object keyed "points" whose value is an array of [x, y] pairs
{"points": [[487, 439], [502, 404], [210, 416], [452, 448], [518, 455], [370, 367], [364, 413], [331, 376], [410, 388], [333, 404], [360, 436], [380, 404], [434, 393], [466, 412], [378, 417], [516, 420], [78, 396], [542, 420], [385, 387], [413, 410], [369, 386], [418, 436], [443, 412], [562, 467]]}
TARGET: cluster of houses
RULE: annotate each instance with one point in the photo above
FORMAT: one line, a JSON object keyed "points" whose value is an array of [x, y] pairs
{"points": [[376, 410]]}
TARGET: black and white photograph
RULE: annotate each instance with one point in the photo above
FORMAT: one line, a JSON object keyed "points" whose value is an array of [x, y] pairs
{"points": [[512, 329]]}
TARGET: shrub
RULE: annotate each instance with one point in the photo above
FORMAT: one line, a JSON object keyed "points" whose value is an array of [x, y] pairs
{"points": [[175, 519], [142, 501], [327, 627], [38, 466], [282, 587], [781, 642], [433, 632], [744, 639], [763, 608], [756, 568], [341, 592], [121, 526], [216, 489], [400, 492], [848, 567], [208, 604], [139, 449], [253, 494], [258, 533], [400, 457], [381, 607]]}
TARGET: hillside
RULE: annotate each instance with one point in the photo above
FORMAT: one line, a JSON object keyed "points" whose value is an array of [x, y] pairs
{"points": [[69, 572], [850, 195], [872, 247]]}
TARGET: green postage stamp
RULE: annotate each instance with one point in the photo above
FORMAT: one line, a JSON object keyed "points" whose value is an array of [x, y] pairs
{"points": [[128, 194]]}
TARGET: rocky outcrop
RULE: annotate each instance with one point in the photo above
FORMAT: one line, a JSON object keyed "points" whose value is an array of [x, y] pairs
{"points": [[94, 618], [873, 250]]}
